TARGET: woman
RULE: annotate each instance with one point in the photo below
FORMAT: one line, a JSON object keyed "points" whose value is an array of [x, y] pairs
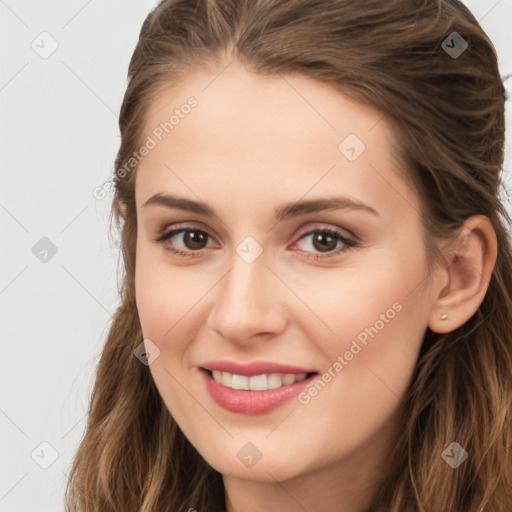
{"points": [[316, 306]]}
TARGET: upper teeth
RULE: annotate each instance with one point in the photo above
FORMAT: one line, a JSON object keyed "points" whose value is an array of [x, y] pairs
{"points": [[257, 382]]}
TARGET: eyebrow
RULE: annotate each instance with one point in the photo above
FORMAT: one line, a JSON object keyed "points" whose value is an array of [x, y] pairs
{"points": [[285, 211]]}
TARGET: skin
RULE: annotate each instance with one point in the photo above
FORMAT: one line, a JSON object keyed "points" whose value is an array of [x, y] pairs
{"points": [[251, 144]]}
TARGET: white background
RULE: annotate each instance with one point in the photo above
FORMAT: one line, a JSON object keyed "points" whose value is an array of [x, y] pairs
{"points": [[59, 137]]}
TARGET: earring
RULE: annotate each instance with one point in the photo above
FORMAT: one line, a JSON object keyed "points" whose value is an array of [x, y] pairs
{"points": [[444, 316]]}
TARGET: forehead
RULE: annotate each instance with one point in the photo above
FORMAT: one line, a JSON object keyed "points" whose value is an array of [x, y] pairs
{"points": [[254, 132], [285, 107]]}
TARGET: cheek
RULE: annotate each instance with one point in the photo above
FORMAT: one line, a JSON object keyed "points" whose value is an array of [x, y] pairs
{"points": [[379, 324], [377, 317], [381, 297], [152, 297], [165, 294], [164, 297]]}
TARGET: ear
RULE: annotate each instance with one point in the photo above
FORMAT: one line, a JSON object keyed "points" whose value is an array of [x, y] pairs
{"points": [[467, 270]]}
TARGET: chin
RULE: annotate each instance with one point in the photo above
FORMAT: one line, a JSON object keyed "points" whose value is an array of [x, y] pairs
{"points": [[268, 468]]}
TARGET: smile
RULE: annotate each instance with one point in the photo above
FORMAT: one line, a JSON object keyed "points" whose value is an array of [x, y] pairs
{"points": [[257, 382], [253, 394]]}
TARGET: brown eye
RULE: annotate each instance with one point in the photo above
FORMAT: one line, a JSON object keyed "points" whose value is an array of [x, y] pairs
{"points": [[195, 239], [187, 241], [324, 242]]}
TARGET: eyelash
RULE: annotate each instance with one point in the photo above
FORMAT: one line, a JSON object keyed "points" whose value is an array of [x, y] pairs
{"points": [[347, 243]]}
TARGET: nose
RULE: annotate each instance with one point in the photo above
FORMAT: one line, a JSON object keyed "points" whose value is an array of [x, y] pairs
{"points": [[248, 304]]}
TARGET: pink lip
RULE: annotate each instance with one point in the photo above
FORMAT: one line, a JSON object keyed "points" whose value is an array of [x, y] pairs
{"points": [[256, 368], [249, 401]]}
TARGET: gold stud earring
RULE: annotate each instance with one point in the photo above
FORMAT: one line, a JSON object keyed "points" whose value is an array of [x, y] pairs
{"points": [[444, 316]]}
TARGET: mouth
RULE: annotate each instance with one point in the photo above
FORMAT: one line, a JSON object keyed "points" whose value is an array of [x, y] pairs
{"points": [[262, 382], [254, 394]]}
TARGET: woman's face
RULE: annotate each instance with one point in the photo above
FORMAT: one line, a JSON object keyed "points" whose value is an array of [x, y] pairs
{"points": [[268, 274]]}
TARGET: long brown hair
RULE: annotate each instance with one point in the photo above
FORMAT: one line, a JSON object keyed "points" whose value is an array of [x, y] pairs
{"points": [[447, 113]]}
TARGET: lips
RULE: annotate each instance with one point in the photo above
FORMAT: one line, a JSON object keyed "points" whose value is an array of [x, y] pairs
{"points": [[230, 384]]}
